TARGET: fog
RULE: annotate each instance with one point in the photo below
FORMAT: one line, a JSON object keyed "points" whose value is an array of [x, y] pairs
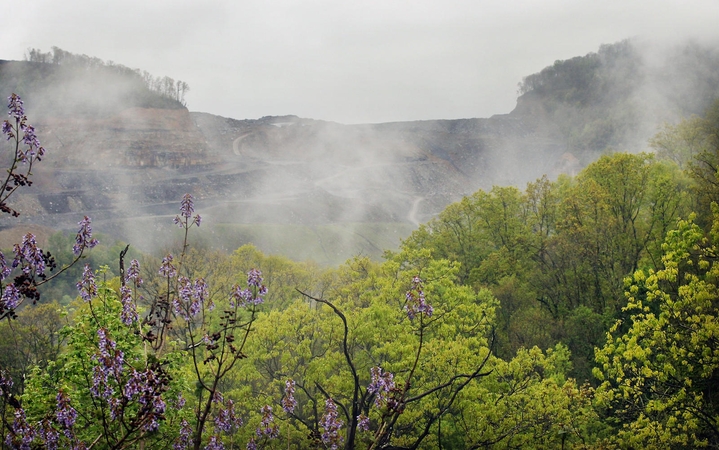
{"points": [[325, 190]]}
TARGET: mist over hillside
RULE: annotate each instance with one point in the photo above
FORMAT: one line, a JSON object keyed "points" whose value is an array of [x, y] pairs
{"points": [[324, 190]]}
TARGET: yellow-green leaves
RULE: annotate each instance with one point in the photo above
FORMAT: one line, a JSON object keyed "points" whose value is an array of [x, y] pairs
{"points": [[658, 377]]}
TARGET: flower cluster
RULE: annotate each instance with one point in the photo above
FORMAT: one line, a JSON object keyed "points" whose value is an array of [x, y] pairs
{"points": [[227, 419], [10, 298], [253, 295], [187, 207], [214, 443], [331, 425], [133, 272], [382, 384], [415, 302], [184, 437], [288, 402], [87, 286], [84, 238], [49, 435], [179, 401], [66, 415], [16, 107], [191, 297], [167, 269], [29, 256], [109, 364], [17, 112], [4, 269], [147, 387], [362, 422], [21, 433], [129, 311], [217, 397], [5, 383], [267, 427]]}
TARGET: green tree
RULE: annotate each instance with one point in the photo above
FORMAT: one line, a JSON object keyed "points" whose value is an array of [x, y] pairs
{"points": [[660, 376]]}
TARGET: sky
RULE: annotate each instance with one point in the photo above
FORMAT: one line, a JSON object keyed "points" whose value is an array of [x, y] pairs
{"points": [[348, 61]]}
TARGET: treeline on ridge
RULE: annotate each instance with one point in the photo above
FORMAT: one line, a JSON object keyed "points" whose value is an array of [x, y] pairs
{"points": [[164, 86]]}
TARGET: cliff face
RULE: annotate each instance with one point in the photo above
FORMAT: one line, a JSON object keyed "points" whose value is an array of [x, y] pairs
{"points": [[133, 138]]}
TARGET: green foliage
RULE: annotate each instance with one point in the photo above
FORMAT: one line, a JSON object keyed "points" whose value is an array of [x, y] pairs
{"points": [[660, 376], [32, 340], [694, 145], [527, 402], [73, 374], [63, 289], [508, 273], [558, 252], [304, 342]]}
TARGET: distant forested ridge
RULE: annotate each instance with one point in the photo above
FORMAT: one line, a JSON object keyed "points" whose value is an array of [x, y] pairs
{"points": [[616, 97], [165, 86], [59, 82]]}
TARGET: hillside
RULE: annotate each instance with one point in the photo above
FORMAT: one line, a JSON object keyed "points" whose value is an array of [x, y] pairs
{"points": [[310, 188]]}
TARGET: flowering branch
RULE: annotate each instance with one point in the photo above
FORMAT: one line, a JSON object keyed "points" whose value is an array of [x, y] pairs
{"points": [[13, 129]]}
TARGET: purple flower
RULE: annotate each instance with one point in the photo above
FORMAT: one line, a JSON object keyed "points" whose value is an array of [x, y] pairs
{"points": [[254, 278], [156, 412], [110, 361], [34, 150], [48, 435], [217, 397], [129, 313], [227, 419], [5, 383], [133, 272], [4, 269], [331, 424], [146, 387], [267, 424], [66, 414], [192, 297], [382, 384], [15, 105], [215, 443], [200, 291], [87, 286], [29, 256], [21, 433], [29, 137], [415, 302], [166, 268], [134, 384], [84, 238], [184, 438], [362, 422], [8, 130], [255, 293], [251, 444], [10, 298], [288, 402], [180, 402], [187, 207]]}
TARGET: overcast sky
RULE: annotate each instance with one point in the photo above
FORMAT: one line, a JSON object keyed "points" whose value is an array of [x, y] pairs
{"points": [[343, 60]]}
